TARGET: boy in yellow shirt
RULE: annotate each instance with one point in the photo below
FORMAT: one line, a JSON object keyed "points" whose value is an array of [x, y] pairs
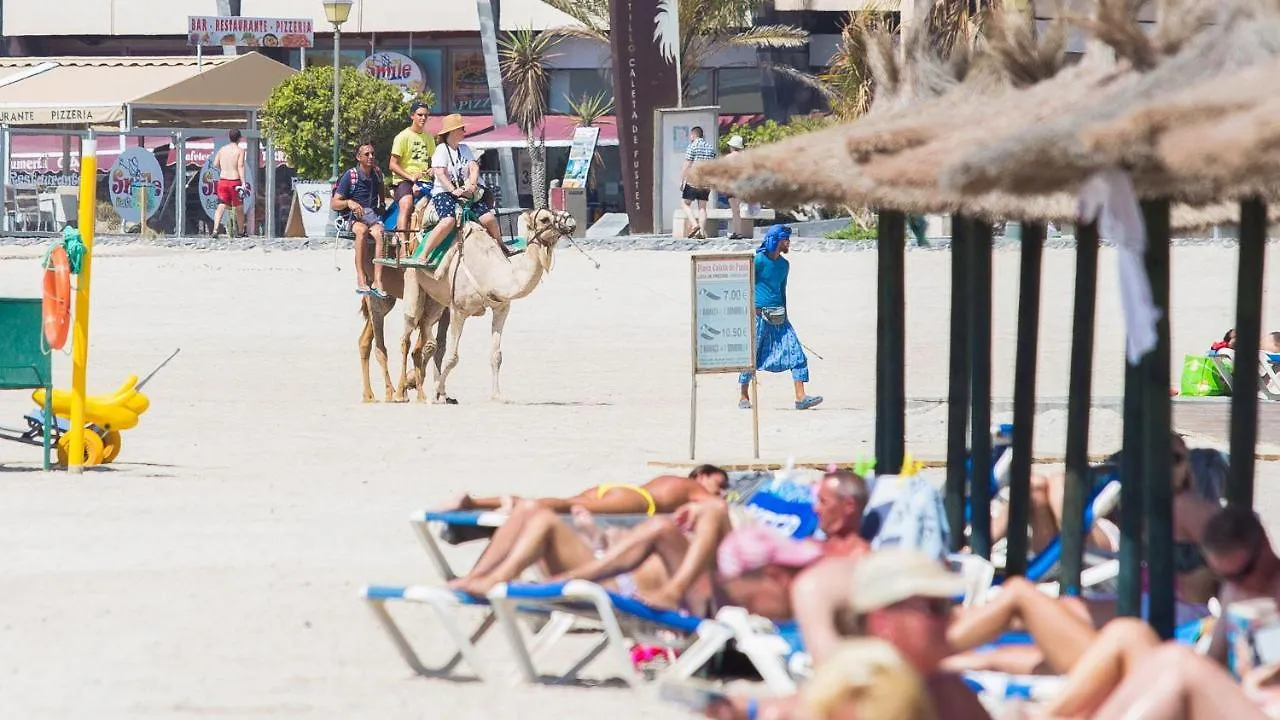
{"points": [[411, 161]]}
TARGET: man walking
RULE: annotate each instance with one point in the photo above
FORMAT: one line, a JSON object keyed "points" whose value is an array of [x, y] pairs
{"points": [[736, 145], [361, 195], [410, 162], [699, 149], [777, 346], [229, 162]]}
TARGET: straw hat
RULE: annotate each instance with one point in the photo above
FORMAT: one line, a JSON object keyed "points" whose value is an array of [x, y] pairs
{"points": [[451, 123], [736, 142]]}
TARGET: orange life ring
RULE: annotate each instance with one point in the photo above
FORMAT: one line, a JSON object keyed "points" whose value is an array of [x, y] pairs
{"points": [[57, 298]]}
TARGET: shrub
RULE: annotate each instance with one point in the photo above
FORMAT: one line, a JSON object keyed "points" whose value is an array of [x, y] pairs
{"points": [[770, 131], [299, 117]]}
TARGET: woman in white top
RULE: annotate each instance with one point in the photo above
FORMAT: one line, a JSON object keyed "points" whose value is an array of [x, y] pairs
{"points": [[457, 175]]}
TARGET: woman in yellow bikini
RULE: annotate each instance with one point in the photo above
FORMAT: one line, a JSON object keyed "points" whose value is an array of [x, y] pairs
{"points": [[662, 494]]}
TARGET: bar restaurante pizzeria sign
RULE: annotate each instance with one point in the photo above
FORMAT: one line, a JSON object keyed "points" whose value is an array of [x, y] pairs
{"points": [[205, 30]]}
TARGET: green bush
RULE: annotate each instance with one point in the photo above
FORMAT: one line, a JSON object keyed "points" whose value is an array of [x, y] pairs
{"points": [[299, 118], [856, 230], [770, 131]]}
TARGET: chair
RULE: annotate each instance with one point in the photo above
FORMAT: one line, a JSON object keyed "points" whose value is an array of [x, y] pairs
{"points": [[25, 361], [1268, 376], [27, 202]]}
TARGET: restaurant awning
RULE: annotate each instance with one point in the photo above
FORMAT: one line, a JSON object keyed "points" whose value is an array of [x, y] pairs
{"points": [[89, 91], [559, 133]]}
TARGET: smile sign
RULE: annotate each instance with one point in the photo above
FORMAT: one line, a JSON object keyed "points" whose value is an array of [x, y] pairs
{"points": [[399, 70]]}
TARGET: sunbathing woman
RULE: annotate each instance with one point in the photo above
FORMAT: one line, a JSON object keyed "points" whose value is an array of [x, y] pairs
{"points": [[662, 494], [655, 561]]}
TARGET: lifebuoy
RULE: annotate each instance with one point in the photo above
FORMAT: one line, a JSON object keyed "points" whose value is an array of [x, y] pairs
{"points": [[57, 298]]}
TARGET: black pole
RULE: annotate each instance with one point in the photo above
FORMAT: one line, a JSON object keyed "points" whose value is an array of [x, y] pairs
{"points": [[1244, 399], [1078, 403], [891, 398], [958, 383], [1157, 416], [1024, 396], [1129, 592], [980, 376]]}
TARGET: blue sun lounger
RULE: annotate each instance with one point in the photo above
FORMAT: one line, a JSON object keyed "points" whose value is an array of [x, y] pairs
{"points": [[623, 621]]}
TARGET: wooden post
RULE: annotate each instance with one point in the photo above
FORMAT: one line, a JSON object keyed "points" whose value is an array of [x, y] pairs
{"points": [[891, 343], [1077, 459], [1024, 396], [980, 380], [1244, 401], [1158, 461], [958, 384]]}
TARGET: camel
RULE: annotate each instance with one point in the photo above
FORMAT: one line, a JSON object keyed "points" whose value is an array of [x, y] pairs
{"points": [[374, 310], [474, 276]]}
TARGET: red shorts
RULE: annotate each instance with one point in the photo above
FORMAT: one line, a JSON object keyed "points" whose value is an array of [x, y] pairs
{"points": [[227, 194]]}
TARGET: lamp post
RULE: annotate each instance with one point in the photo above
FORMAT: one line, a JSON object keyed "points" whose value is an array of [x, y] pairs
{"points": [[336, 11]]}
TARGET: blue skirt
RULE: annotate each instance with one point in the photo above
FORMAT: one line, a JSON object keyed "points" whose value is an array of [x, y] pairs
{"points": [[778, 349]]}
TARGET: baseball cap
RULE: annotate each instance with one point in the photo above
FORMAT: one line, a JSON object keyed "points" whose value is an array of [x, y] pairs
{"points": [[752, 547], [894, 574], [736, 142]]}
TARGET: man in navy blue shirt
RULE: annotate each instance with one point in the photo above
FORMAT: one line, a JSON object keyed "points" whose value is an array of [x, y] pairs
{"points": [[361, 195]]}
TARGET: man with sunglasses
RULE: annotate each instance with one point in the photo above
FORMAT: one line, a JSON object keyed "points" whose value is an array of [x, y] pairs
{"points": [[360, 194], [1237, 549], [410, 162]]}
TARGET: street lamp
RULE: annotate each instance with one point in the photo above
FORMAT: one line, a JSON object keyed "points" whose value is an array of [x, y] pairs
{"points": [[336, 11]]}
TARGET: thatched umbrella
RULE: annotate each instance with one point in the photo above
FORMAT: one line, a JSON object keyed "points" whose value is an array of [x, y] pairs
{"points": [[1051, 154], [915, 102]]}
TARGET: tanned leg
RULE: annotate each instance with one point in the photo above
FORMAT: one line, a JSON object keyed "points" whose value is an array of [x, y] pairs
{"points": [[1060, 631], [360, 229], [544, 538], [1117, 651], [504, 539], [1174, 682]]}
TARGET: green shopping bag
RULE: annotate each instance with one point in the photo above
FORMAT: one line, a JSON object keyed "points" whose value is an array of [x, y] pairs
{"points": [[1200, 376]]}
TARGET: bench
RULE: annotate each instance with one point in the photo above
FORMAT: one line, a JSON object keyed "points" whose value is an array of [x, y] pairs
{"points": [[745, 225]]}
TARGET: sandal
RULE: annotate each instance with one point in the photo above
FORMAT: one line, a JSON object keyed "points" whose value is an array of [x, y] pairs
{"points": [[808, 402], [378, 293]]}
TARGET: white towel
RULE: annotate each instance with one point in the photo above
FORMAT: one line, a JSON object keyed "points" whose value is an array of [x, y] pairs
{"points": [[1108, 197]]}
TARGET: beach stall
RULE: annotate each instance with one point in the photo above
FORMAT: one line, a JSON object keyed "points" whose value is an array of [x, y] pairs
{"points": [[154, 107]]}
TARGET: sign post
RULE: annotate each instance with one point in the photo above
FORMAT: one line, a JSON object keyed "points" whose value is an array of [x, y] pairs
{"points": [[722, 328]]}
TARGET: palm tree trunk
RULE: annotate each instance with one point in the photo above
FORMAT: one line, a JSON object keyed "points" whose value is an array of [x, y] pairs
{"points": [[538, 169], [489, 12]]}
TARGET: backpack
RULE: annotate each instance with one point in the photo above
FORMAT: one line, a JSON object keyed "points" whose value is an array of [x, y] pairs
{"points": [[353, 175]]}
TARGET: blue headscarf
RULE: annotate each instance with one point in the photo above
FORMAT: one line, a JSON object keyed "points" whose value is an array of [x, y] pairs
{"points": [[773, 238]]}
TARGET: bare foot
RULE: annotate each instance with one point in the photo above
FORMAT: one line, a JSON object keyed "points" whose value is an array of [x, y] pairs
{"points": [[462, 502], [585, 523], [475, 586], [663, 597]]}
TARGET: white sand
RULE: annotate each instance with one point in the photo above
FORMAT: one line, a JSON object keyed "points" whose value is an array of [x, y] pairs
{"points": [[213, 570]]}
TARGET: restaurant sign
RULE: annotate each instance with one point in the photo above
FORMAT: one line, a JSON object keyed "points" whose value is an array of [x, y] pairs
{"points": [[399, 70], [206, 30], [60, 115]]}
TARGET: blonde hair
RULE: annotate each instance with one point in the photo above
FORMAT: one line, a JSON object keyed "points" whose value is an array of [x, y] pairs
{"points": [[870, 673]]}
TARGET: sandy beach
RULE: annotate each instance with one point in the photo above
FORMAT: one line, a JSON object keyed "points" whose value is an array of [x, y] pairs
{"points": [[213, 570]]}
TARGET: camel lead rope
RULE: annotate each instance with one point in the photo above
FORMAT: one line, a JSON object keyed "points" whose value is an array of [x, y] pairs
{"points": [[584, 252]]}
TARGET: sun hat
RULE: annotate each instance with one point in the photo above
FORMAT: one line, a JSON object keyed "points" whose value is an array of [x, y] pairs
{"points": [[752, 547], [451, 123], [891, 575], [737, 143]]}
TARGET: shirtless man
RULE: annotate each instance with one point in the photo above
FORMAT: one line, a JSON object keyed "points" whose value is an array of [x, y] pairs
{"points": [[662, 494], [840, 504], [229, 162]]}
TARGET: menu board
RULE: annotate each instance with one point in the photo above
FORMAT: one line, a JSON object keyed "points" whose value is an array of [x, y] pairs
{"points": [[723, 324], [580, 155], [206, 30]]}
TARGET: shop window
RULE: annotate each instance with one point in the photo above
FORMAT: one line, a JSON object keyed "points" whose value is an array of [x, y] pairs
{"points": [[699, 90], [573, 85], [738, 91]]}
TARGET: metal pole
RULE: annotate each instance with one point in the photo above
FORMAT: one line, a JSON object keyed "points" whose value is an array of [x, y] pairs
{"points": [[1244, 402], [1157, 410], [980, 378], [4, 167], [958, 383], [1077, 460], [1024, 396], [337, 44], [180, 186], [891, 340], [269, 187], [1129, 600], [80, 328]]}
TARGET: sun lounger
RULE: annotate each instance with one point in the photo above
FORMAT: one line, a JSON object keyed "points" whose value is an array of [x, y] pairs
{"points": [[623, 620], [1268, 374], [445, 603]]}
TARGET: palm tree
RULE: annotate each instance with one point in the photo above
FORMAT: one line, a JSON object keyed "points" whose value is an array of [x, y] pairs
{"points": [[706, 27], [524, 55]]}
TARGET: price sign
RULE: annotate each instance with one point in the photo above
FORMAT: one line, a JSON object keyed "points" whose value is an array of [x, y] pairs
{"points": [[723, 313]]}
